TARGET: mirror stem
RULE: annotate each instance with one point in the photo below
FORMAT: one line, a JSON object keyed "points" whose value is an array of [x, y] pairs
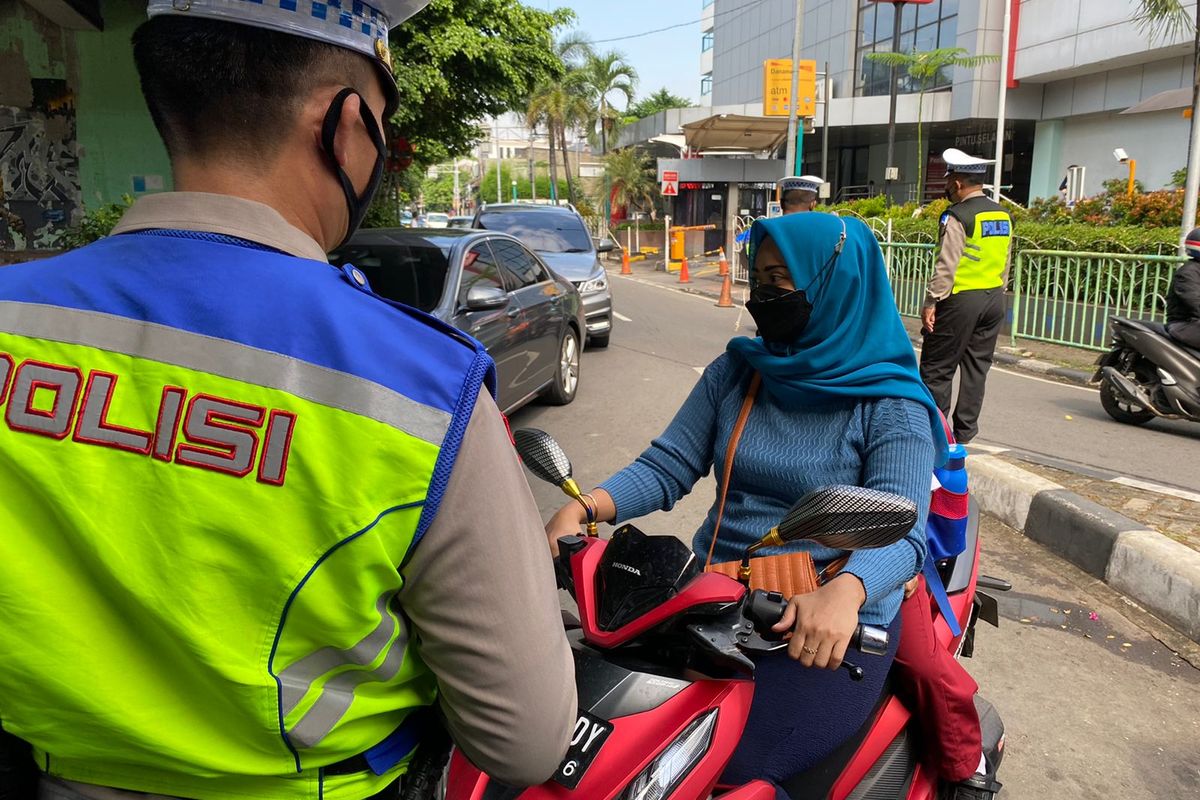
{"points": [[571, 488]]}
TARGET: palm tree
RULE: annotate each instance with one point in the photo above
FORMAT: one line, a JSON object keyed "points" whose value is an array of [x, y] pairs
{"points": [[924, 68], [1164, 19], [607, 74], [631, 176], [560, 103]]}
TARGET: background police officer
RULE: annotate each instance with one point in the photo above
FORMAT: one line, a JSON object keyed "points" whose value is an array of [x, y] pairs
{"points": [[257, 521], [964, 302], [800, 193]]}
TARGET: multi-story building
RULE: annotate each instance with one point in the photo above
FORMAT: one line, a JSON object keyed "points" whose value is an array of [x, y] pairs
{"points": [[1076, 68]]}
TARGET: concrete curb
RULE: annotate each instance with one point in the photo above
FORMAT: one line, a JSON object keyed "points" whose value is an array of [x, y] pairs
{"points": [[1159, 573]]}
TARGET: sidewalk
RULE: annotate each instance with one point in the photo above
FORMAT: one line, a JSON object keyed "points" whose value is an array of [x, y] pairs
{"points": [[1143, 543]]}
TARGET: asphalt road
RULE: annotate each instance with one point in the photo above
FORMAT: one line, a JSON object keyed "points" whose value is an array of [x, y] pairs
{"points": [[1087, 714]]}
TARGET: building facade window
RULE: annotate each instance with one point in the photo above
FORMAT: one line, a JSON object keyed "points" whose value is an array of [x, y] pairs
{"points": [[706, 84], [706, 42], [707, 3], [922, 28]]}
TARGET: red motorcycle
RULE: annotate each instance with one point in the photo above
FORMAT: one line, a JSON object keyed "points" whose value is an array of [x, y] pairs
{"points": [[663, 675]]}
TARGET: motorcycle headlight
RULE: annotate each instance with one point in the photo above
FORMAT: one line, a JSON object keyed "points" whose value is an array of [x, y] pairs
{"points": [[594, 285], [664, 774]]}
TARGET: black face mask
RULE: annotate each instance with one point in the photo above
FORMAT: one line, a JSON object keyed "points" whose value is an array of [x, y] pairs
{"points": [[356, 205], [783, 314]]}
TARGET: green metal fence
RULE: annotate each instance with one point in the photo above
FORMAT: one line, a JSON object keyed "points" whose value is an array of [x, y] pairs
{"points": [[910, 266], [1068, 298]]}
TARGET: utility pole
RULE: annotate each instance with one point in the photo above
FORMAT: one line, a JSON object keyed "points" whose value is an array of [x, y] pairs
{"points": [[457, 205], [1000, 112], [795, 141], [1192, 185], [825, 128], [496, 137], [897, 13]]}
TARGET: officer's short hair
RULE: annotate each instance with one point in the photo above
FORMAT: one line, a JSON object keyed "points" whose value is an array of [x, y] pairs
{"points": [[216, 87], [797, 197], [970, 178]]}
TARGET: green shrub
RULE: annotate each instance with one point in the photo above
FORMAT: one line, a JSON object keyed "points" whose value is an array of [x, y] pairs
{"points": [[96, 223]]}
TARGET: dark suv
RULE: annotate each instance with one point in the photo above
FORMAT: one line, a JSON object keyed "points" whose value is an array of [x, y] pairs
{"points": [[558, 235]]}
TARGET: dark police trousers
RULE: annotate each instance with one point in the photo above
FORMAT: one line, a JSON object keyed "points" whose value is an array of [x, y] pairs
{"points": [[964, 336]]}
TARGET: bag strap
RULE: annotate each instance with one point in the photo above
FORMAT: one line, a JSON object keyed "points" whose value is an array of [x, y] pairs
{"points": [[736, 435]]}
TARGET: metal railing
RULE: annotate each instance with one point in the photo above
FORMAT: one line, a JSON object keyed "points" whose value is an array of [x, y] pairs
{"points": [[1068, 298], [910, 266]]}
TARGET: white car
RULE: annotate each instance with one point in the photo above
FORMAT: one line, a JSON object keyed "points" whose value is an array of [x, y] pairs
{"points": [[437, 220]]}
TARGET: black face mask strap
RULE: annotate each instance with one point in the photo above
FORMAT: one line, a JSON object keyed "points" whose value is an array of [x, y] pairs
{"points": [[356, 205], [827, 270]]}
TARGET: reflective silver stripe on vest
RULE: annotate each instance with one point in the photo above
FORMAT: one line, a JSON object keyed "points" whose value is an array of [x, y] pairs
{"points": [[227, 359], [338, 692]]}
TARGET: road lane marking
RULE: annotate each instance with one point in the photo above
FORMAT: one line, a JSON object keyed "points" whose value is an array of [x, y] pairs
{"points": [[1017, 374], [1150, 486], [987, 448], [622, 317]]}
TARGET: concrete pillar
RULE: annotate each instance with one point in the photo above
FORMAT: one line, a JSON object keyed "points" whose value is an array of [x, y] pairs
{"points": [[1048, 167], [731, 215]]}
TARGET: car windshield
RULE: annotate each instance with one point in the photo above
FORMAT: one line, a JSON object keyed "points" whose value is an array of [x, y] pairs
{"points": [[545, 232], [412, 271]]}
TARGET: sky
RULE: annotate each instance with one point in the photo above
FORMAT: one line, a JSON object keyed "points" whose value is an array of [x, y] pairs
{"points": [[670, 58]]}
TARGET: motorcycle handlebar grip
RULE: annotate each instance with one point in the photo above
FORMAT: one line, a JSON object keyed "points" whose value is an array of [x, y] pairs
{"points": [[870, 640]]}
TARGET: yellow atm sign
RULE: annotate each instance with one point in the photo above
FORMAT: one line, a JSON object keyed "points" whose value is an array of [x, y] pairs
{"points": [[777, 88]]}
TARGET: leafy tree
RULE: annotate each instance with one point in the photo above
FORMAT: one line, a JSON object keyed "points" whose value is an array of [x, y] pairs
{"points": [[923, 68], [1164, 19], [661, 100], [464, 60], [631, 176], [510, 172]]}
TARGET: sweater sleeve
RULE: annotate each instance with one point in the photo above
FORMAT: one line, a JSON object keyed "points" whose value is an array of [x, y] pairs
{"points": [[678, 458], [898, 458]]}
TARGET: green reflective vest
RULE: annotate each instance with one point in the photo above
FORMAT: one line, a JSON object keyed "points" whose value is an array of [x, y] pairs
{"points": [[984, 261], [204, 517]]}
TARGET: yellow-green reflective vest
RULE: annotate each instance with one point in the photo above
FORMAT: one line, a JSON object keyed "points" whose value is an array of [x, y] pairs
{"points": [[988, 229], [214, 461]]}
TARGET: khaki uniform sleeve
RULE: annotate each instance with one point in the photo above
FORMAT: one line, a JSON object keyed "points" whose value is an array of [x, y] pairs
{"points": [[480, 593], [950, 250]]}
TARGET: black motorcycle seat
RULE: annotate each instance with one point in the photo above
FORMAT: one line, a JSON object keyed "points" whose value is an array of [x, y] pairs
{"points": [[1160, 329]]}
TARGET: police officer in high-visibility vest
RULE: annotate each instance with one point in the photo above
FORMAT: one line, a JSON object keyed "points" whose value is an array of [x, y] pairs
{"points": [[964, 303], [260, 525], [799, 193]]}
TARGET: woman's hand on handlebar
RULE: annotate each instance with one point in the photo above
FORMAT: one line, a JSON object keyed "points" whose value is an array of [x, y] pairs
{"points": [[823, 622], [567, 521]]}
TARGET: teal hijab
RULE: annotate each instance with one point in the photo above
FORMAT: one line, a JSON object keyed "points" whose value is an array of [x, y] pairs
{"points": [[854, 346]]}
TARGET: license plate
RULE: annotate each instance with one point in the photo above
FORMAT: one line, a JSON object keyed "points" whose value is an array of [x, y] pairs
{"points": [[586, 740]]}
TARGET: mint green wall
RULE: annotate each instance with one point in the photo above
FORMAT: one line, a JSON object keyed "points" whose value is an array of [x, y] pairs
{"points": [[116, 137], [1047, 172]]}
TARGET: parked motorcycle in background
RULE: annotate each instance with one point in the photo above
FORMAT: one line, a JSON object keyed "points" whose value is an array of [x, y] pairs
{"points": [[1148, 374]]}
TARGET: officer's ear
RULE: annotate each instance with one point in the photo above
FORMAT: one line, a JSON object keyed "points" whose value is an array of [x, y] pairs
{"points": [[349, 119]]}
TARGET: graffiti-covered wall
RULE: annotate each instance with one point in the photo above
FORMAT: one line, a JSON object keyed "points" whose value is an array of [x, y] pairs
{"points": [[39, 162], [74, 131], [39, 167]]}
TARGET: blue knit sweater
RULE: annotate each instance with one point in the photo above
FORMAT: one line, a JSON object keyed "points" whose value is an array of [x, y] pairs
{"points": [[880, 444]]}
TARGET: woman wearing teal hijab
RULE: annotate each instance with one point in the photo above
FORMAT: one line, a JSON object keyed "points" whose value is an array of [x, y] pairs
{"points": [[841, 402]]}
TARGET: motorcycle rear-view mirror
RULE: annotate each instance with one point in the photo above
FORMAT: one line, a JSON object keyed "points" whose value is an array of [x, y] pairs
{"points": [[546, 459], [542, 455], [849, 518]]}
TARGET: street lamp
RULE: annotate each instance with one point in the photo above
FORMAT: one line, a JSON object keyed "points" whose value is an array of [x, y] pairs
{"points": [[1120, 155], [892, 172]]}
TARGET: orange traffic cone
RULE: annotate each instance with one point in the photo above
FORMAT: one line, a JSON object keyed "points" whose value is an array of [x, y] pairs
{"points": [[683, 271], [726, 300], [724, 270], [625, 269]]}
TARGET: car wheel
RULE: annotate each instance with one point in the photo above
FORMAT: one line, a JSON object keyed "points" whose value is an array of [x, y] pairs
{"points": [[1120, 409], [599, 341], [566, 378]]}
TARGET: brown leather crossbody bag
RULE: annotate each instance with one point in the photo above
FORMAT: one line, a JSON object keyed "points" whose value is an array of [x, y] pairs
{"points": [[786, 573]]}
